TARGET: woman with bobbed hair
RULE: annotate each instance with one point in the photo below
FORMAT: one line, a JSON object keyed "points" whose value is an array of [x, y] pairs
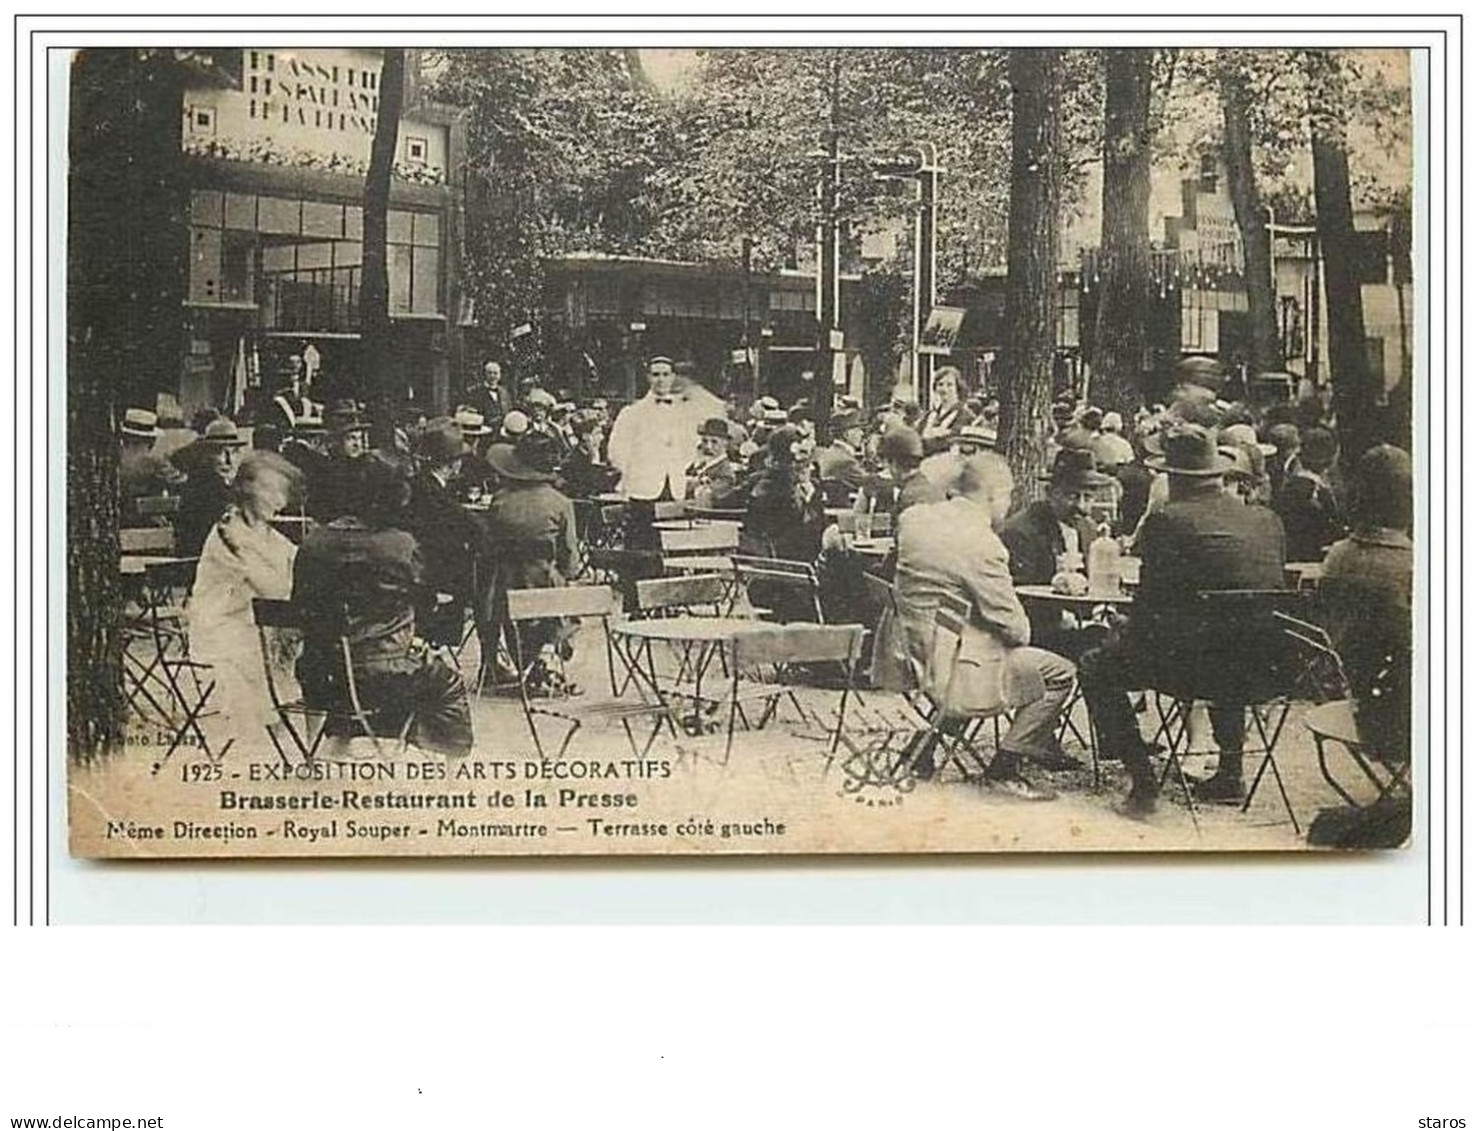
{"points": [[244, 558]]}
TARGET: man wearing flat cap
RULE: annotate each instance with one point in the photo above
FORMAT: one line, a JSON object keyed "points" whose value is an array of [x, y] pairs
{"points": [[652, 440], [1201, 541], [711, 477]]}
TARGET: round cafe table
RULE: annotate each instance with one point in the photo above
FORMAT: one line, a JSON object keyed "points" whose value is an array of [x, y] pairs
{"points": [[697, 641], [1070, 601]]}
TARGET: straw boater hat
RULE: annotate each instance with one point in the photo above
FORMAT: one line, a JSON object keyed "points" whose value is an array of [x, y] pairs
{"points": [[441, 441], [515, 423], [472, 423], [222, 433], [140, 422], [1190, 451], [1075, 467], [534, 458], [1245, 435]]}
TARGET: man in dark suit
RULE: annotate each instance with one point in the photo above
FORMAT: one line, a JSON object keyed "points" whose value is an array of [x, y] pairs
{"points": [[839, 464], [1201, 540], [712, 480], [443, 529], [1040, 533], [358, 578]]}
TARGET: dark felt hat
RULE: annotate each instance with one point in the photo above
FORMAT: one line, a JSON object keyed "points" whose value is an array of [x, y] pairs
{"points": [[441, 441], [900, 443], [534, 458], [1075, 467], [1190, 450], [714, 426]]}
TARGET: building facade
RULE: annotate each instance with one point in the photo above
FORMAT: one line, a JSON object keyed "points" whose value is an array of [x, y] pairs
{"points": [[275, 157]]}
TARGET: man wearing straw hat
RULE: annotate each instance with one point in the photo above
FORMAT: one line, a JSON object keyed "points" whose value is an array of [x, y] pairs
{"points": [[207, 493]]}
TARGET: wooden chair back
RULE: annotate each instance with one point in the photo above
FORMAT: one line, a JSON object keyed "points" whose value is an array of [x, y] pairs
{"points": [[570, 601], [712, 538], [799, 644], [662, 593], [146, 540]]}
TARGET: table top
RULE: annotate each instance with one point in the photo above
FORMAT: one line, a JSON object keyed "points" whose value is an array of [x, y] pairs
{"points": [[134, 565], [685, 629], [699, 563], [1047, 593], [611, 497]]}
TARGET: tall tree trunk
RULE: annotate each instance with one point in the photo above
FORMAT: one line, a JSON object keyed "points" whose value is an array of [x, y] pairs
{"points": [[374, 298], [1256, 240], [1120, 337], [1031, 262], [1356, 392], [126, 273]]}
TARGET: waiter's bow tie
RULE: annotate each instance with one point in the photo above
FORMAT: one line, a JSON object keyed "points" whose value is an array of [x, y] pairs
{"points": [[666, 400]]}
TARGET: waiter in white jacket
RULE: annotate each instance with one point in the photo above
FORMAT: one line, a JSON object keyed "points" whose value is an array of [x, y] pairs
{"points": [[653, 440]]}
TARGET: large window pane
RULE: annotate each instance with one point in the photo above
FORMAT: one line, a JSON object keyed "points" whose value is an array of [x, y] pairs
{"points": [[205, 209], [399, 278], [314, 256], [279, 216], [278, 258], [427, 230], [322, 219], [240, 211], [346, 254], [399, 227], [425, 286], [353, 222]]}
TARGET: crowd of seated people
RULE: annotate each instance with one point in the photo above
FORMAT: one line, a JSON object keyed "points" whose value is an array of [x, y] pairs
{"points": [[458, 509]]}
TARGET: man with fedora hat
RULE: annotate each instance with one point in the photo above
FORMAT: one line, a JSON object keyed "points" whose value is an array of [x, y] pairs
{"points": [[900, 451], [207, 493], [528, 542], [359, 579], [711, 478], [332, 486], [443, 530], [1200, 541], [839, 464], [1042, 534]]}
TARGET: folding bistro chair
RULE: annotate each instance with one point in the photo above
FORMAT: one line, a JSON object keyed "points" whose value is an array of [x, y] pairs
{"points": [[190, 682], [158, 540], [780, 578], [710, 538], [779, 648], [702, 594], [578, 601], [955, 732], [343, 711], [156, 506], [1266, 696]]}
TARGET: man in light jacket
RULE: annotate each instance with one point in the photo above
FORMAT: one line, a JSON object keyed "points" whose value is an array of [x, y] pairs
{"points": [[652, 440], [951, 549]]}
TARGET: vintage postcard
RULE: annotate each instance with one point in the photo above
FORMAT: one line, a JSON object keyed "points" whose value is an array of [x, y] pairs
{"points": [[777, 450]]}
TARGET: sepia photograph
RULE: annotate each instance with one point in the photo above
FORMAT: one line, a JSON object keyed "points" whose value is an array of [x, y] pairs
{"points": [[761, 450]]}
